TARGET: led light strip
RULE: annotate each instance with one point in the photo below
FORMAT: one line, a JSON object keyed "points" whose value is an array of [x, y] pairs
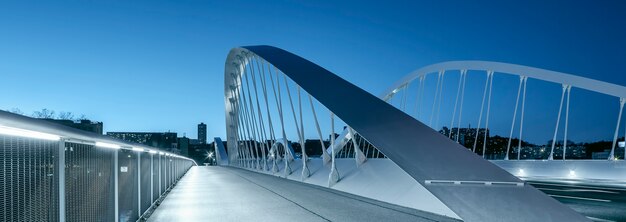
{"points": [[4, 130], [108, 145], [28, 133], [138, 149]]}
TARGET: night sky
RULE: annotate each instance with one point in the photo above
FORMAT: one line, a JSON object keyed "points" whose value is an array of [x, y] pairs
{"points": [[158, 65]]}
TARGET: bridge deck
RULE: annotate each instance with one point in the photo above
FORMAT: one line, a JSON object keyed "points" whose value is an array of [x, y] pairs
{"points": [[230, 194]]}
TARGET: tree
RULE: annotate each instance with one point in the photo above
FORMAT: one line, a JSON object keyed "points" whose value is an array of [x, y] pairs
{"points": [[16, 111], [44, 114], [66, 116], [82, 117]]}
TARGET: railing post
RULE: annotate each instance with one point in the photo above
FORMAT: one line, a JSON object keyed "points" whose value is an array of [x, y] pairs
{"points": [[139, 184], [160, 162], [61, 176], [151, 178], [115, 185]]}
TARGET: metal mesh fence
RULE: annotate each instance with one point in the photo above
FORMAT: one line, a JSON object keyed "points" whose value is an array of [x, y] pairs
{"points": [[29, 180], [155, 177], [89, 191], [145, 181], [29, 183], [175, 170], [163, 178], [170, 174], [127, 182]]}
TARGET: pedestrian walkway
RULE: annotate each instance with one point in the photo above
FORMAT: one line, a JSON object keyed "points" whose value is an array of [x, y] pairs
{"points": [[231, 194]]}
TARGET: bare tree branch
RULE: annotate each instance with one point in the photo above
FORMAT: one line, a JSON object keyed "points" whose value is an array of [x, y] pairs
{"points": [[66, 116], [16, 111], [44, 113]]}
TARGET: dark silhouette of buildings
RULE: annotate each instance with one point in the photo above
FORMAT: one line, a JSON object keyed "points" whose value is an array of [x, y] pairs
{"points": [[201, 152], [84, 124], [202, 133], [165, 141], [466, 136], [183, 145]]}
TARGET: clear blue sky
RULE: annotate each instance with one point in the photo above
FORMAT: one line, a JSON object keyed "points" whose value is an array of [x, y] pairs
{"points": [[158, 65]]}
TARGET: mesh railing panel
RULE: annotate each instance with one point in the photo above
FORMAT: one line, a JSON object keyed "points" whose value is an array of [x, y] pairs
{"points": [[127, 179], [170, 173], [155, 175], [89, 191], [28, 179], [163, 179], [145, 181]]}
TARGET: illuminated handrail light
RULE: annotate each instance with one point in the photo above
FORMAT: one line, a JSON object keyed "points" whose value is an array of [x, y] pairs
{"points": [[108, 145], [161, 153], [153, 151], [28, 133], [138, 149], [572, 173]]}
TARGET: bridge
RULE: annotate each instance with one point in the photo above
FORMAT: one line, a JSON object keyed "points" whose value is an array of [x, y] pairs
{"points": [[304, 144]]}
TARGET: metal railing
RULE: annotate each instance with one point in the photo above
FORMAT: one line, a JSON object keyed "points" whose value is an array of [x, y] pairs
{"points": [[50, 172]]}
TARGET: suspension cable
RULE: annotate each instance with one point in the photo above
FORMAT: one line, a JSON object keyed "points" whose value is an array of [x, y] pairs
{"points": [[569, 87], [246, 119], [432, 113], [252, 120], [519, 89], [261, 121], [420, 92], [458, 128], [293, 111], [269, 117], [319, 131], [403, 101], [487, 117], [558, 119], [619, 118], [456, 101], [302, 141], [443, 72], [480, 116], [521, 121]]}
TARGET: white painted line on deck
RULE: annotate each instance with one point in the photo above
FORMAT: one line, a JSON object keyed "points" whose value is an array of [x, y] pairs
{"points": [[580, 198], [580, 190], [574, 185], [600, 219]]}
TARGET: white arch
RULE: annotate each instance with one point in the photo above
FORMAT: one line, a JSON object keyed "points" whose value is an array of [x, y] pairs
{"points": [[512, 69], [288, 149], [483, 192]]}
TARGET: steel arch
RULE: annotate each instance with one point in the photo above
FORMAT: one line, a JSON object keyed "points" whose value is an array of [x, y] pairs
{"points": [[472, 187], [513, 69]]}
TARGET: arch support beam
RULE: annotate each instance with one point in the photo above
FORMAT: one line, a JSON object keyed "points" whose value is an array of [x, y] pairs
{"points": [[416, 148]]}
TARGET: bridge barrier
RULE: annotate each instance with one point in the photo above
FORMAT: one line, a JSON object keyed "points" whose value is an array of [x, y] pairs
{"points": [[51, 172]]}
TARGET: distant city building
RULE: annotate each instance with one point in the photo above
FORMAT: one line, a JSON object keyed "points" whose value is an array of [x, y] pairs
{"points": [[200, 152], [165, 141], [86, 125], [466, 136], [601, 155], [183, 145], [202, 133], [194, 141]]}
